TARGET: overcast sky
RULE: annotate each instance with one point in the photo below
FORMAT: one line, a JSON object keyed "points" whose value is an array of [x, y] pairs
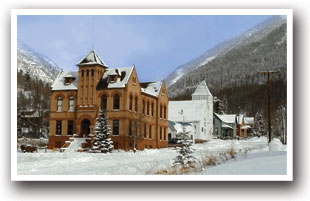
{"points": [[155, 44]]}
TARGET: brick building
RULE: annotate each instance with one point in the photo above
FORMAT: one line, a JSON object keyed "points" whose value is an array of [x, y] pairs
{"points": [[137, 111]]}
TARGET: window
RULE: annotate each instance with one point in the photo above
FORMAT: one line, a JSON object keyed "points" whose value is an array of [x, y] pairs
{"points": [[92, 72], [58, 127], [152, 110], [87, 73], [143, 106], [70, 127], [59, 103], [136, 103], [164, 133], [164, 112], [115, 127], [130, 102], [160, 111], [116, 102], [160, 133], [82, 73], [148, 108], [130, 128], [150, 132], [144, 130], [104, 100], [71, 103]]}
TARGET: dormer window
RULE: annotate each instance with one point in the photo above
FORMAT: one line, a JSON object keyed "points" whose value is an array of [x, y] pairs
{"points": [[113, 76], [68, 79]]}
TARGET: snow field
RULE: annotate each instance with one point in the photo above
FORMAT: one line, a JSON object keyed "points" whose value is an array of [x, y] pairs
{"points": [[148, 161]]}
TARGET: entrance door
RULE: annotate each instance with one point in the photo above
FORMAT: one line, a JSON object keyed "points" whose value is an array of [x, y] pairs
{"points": [[85, 127]]}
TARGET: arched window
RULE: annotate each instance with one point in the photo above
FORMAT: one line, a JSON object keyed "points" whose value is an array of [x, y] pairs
{"points": [[82, 73], [136, 103], [116, 102], [92, 72], [87, 72], [161, 111], [59, 104], [71, 103], [104, 101], [130, 102]]}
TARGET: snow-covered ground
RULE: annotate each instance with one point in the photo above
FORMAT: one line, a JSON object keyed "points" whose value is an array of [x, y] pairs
{"points": [[261, 163], [253, 157]]}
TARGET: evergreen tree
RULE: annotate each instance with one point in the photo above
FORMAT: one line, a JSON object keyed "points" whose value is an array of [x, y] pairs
{"points": [[102, 140], [184, 159], [218, 105], [259, 125]]}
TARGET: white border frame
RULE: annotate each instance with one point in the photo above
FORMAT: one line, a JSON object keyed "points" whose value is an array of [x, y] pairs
{"points": [[287, 12]]}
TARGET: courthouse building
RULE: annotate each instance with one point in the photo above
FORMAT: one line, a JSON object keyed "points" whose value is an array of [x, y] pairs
{"points": [[137, 111]]}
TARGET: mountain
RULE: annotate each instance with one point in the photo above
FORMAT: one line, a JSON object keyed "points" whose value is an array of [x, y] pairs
{"points": [[235, 62], [254, 34], [38, 65]]}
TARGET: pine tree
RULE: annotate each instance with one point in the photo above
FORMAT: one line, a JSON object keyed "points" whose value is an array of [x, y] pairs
{"points": [[185, 159], [102, 140], [259, 125]]}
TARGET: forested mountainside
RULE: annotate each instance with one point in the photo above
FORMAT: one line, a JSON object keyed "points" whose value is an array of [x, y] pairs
{"points": [[254, 34]]}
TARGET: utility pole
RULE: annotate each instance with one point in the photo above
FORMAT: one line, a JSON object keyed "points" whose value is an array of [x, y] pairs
{"points": [[268, 73]]}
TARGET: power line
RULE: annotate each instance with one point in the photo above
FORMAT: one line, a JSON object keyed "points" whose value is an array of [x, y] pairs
{"points": [[269, 73]]}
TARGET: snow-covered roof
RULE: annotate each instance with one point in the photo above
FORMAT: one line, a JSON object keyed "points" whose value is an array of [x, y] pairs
{"points": [[202, 89], [227, 118], [245, 127], [192, 110], [248, 120], [124, 74], [91, 59], [69, 76], [178, 127], [59, 83], [151, 88], [226, 126], [239, 118]]}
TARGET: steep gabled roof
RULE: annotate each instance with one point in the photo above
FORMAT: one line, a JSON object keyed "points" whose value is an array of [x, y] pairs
{"points": [[92, 59], [151, 88], [202, 89], [227, 118], [124, 75], [59, 83]]}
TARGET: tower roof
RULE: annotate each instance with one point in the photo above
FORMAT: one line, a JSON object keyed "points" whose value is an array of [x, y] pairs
{"points": [[202, 89], [92, 59]]}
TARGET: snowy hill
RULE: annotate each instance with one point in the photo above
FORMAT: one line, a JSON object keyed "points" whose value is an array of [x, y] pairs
{"points": [[255, 34], [38, 65]]}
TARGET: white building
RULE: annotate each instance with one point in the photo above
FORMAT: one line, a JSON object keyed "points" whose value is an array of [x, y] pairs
{"points": [[198, 112]]}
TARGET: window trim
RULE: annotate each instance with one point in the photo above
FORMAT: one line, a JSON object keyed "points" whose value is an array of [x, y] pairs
{"points": [[113, 127], [118, 103], [60, 108], [71, 98]]}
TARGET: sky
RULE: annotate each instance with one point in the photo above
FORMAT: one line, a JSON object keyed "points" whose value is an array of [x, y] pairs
{"points": [[155, 44]]}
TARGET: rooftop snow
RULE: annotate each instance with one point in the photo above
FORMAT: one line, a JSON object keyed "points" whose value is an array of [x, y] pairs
{"points": [[91, 59], [202, 89], [151, 88], [59, 83], [124, 74], [227, 118], [239, 118], [248, 120]]}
